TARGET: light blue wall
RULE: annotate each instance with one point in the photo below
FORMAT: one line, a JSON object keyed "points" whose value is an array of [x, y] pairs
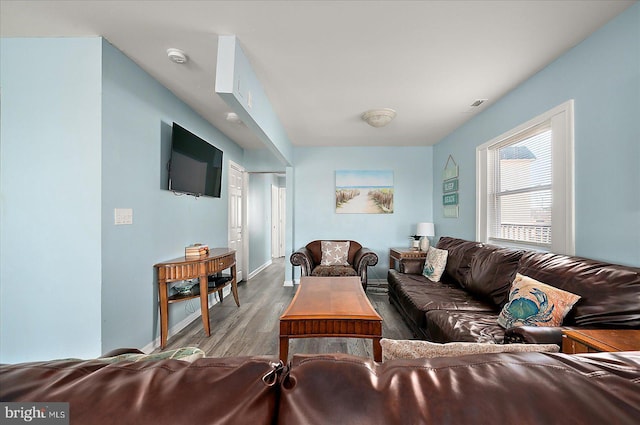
{"points": [[137, 116], [314, 192], [602, 74], [50, 190], [239, 86], [262, 160], [85, 131], [259, 220]]}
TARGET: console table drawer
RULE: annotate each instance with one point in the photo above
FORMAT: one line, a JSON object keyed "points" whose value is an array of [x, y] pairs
{"points": [[220, 264]]}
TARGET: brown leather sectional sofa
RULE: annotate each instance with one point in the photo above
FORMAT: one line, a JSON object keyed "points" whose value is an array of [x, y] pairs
{"points": [[507, 388], [465, 304]]}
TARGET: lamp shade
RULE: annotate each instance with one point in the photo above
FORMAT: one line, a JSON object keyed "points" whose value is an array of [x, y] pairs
{"points": [[425, 229]]}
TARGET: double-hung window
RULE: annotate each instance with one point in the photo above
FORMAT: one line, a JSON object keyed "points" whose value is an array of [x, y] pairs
{"points": [[525, 185]]}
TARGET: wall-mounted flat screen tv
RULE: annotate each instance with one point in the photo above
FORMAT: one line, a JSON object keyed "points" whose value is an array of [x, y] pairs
{"points": [[195, 167]]}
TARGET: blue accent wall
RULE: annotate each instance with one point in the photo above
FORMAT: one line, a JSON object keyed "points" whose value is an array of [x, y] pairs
{"points": [[602, 75], [136, 129], [50, 196], [259, 219], [85, 131], [315, 214]]}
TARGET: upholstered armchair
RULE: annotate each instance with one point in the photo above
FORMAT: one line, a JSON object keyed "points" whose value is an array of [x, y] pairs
{"points": [[354, 263]]}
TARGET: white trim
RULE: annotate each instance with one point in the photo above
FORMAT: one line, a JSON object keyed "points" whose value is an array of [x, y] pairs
{"points": [[259, 269], [563, 213], [290, 283]]}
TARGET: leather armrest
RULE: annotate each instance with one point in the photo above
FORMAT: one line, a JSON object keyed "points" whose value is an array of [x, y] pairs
{"points": [[119, 351], [364, 257], [534, 335], [303, 258]]}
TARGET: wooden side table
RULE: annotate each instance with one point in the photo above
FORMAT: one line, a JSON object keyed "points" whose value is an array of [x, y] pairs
{"points": [[598, 340], [397, 254]]}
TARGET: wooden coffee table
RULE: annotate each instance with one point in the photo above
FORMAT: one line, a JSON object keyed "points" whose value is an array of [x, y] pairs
{"points": [[330, 307]]}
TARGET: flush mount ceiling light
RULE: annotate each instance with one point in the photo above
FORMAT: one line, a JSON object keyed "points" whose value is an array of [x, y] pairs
{"points": [[379, 117], [177, 56], [234, 118]]}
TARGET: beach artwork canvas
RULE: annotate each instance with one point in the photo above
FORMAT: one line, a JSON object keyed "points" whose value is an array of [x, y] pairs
{"points": [[364, 191]]}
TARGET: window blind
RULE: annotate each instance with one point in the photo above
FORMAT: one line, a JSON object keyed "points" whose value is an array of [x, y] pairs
{"points": [[520, 188]]}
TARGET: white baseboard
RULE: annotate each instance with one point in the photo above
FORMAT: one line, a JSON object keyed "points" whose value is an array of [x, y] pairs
{"points": [[289, 283], [153, 345], [259, 269]]}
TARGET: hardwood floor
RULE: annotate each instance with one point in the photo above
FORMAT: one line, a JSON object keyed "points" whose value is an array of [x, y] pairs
{"points": [[253, 328]]}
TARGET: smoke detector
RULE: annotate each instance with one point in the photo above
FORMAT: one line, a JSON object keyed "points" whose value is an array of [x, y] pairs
{"points": [[478, 102], [177, 56]]}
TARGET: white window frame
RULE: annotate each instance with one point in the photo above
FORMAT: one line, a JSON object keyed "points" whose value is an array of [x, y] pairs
{"points": [[563, 203]]}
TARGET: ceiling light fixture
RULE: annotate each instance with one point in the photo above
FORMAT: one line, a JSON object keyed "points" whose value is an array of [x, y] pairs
{"points": [[177, 56], [234, 118], [379, 117]]}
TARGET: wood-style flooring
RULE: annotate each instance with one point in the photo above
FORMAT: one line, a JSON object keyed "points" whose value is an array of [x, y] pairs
{"points": [[253, 328]]}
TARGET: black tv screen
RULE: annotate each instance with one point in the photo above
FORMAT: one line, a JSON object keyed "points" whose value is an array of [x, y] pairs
{"points": [[195, 167]]}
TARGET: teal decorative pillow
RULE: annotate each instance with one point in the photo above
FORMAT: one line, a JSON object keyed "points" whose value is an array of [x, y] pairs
{"points": [[435, 263], [533, 303], [334, 253]]}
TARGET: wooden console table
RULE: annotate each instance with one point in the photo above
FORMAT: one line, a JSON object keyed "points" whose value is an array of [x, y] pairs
{"points": [[597, 340], [183, 268]]}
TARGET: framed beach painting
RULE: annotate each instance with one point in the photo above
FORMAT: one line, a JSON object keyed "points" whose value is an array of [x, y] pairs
{"points": [[364, 191]]}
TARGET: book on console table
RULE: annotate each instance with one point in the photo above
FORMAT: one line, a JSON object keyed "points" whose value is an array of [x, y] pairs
{"points": [[196, 250]]}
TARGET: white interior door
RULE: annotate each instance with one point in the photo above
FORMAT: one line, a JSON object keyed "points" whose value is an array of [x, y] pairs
{"points": [[278, 206], [236, 216], [275, 231], [282, 213]]}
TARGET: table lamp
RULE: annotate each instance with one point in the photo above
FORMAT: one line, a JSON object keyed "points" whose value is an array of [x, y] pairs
{"points": [[425, 230]]}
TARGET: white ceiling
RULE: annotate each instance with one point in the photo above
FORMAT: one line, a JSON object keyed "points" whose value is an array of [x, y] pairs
{"points": [[323, 63]]}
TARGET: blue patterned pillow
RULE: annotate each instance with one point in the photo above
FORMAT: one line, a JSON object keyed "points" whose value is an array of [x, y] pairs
{"points": [[435, 263], [533, 303]]}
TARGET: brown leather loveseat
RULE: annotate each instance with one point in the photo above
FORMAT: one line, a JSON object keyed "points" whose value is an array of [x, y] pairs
{"points": [[465, 304], [509, 388]]}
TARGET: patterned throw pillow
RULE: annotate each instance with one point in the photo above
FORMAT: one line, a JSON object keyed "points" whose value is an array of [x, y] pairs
{"points": [[186, 354], [334, 253], [533, 303], [435, 263], [413, 349]]}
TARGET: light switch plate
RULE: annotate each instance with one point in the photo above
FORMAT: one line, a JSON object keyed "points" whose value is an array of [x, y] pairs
{"points": [[123, 216]]}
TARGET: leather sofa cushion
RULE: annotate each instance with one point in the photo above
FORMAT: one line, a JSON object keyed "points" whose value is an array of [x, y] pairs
{"points": [[491, 273], [509, 388], [416, 295], [610, 293], [411, 266], [465, 326], [459, 258], [206, 391]]}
